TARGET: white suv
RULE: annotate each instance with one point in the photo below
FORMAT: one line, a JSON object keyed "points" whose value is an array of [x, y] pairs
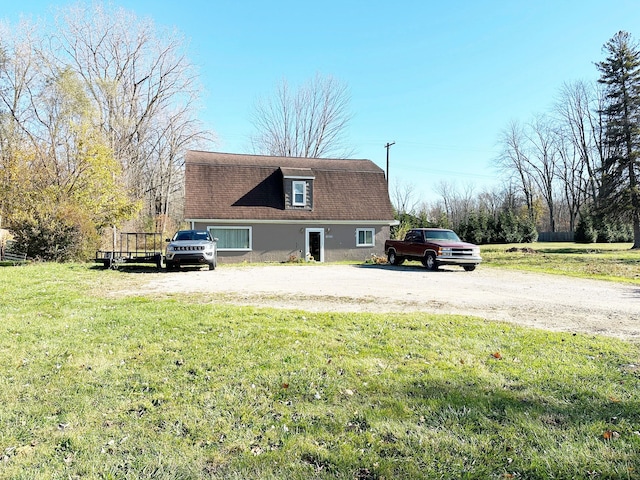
{"points": [[191, 247]]}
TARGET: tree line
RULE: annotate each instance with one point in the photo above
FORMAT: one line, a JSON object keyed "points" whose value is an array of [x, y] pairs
{"points": [[96, 111], [98, 107], [575, 168]]}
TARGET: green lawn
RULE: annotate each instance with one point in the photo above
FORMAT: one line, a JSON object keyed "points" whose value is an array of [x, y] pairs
{"points": [[102, 387], [602, 261]]}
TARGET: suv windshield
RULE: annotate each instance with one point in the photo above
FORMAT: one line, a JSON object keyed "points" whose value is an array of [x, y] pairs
{"points": [[192, 235]]}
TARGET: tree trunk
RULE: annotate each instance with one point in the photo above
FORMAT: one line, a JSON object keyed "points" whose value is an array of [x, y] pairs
{"points": [[636, 231], [635, 205]]}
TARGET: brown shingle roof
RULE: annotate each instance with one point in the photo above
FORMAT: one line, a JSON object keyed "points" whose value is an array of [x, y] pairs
{"points": [[249, 187]]}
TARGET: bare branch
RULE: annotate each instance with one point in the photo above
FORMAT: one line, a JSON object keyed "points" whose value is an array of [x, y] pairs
{"points": [[310, 122]]}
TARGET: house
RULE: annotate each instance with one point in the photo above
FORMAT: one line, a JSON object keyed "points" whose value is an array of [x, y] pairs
{"points": [[276, 209]]}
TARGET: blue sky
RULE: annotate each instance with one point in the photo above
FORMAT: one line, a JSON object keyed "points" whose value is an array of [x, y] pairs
{"points": [[440, 79]]}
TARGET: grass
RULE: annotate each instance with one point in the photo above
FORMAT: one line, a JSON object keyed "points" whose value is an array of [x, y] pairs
{"points": [[601, 261], [100, 387]]}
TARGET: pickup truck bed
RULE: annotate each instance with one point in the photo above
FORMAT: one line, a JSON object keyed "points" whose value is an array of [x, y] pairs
{"points": [[433, 247]]}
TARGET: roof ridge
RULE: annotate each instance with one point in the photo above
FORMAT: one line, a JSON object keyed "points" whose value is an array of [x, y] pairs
{"points": [[272, 161], [279, 156]]}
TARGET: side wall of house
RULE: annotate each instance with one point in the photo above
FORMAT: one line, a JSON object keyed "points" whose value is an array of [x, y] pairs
{"points": [[287, 242]]}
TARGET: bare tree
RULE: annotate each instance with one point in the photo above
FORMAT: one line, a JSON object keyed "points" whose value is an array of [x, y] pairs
{"points": [[172, 137], [144, 91], [491, 201], [446, 208], [21, 135], [514, 161], [571, 173], [583, 147], [309, 122], [102, 80], [542, 160], [403, 197], [457, 206], [530, 155], [20, 80]]}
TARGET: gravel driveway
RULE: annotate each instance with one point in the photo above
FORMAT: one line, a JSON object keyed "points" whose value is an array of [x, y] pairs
{"points": [[537, 300]]}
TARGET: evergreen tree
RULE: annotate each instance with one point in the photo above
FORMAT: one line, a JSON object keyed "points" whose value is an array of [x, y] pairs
{"points": [[620, 75], [585, 231]]}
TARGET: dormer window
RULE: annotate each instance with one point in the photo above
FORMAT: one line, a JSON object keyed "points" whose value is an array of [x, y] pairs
{"points": [[297, 186], [299, 193]]}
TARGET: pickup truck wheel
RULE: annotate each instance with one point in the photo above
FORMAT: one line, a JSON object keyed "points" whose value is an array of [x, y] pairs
{"points": [[393, 259], [429, 261], [469, 268]]}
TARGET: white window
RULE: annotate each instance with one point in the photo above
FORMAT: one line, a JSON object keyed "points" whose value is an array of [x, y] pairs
{"points": [[232, 238], [299, 190], [365, 237]]}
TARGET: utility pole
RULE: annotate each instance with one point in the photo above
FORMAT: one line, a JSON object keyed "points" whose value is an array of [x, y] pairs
{"points": [[388, 146]]}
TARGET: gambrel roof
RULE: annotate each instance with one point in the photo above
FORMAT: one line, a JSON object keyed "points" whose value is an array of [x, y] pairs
{"points": [[230, 186]]}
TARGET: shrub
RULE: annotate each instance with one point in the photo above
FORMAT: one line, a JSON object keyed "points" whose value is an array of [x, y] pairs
{"points": [[585, 231], [624, 233], [596, 228], [376, 259], [529, 232], [616, 232], [55, 232], [481, 228], [293, 258], [508, 230], [605, 234]]}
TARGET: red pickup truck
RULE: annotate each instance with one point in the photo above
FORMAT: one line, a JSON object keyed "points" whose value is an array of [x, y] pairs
{"points": [[433, 247]]}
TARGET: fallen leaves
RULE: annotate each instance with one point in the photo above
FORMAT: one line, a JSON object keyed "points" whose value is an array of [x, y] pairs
{"points": [[610, 434], [256, 450]]}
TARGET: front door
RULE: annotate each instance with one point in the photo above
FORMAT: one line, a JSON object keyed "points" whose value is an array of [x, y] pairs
{"points": [[314, 243]]}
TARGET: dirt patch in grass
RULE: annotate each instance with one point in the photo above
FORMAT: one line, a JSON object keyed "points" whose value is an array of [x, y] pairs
{"points": [[522, 249], [550, 302]]}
